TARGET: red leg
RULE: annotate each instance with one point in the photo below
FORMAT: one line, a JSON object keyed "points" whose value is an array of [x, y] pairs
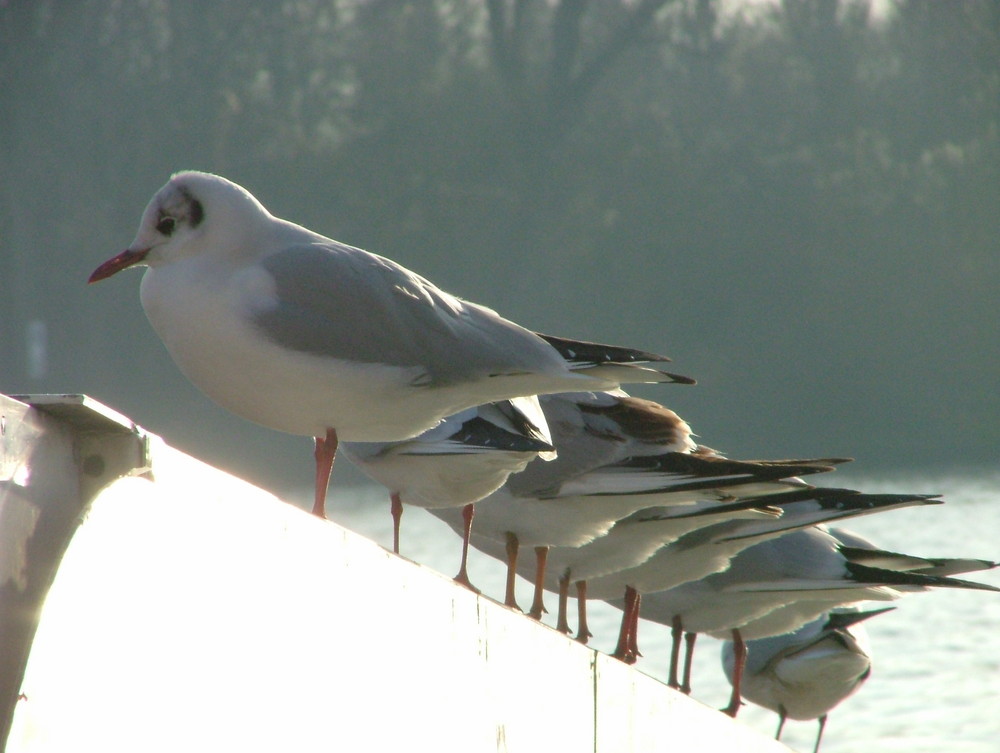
{"points": [[396, 508], [623, 650], [689, 639], [538, 603], [325, 452], [562, 625], [583, 633], [633, 633], [510, 599], [463, 573], [676, 632], [740, 656]]}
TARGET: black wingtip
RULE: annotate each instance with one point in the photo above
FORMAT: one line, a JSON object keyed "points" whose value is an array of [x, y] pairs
{"points": [[584, 350], [482, 433], [841, 620], [863, 574], [680, 379], [586, 353]]}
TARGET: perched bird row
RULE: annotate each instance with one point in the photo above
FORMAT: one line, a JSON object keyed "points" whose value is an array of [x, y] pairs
{"points": [[518, 439]]}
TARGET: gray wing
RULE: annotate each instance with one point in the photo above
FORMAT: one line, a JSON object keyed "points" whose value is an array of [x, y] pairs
{"points": [[338, 301]]}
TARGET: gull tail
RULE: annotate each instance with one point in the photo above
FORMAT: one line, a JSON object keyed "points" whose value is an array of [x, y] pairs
{"points": [[863, 574], [808, 507], [614, 363], [887, 560]]}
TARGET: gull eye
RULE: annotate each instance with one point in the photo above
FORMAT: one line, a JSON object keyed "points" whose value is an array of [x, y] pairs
{"points": [[166, 226]]}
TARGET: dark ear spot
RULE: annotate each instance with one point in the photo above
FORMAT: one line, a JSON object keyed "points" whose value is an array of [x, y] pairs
{"points": [[197, 213]]}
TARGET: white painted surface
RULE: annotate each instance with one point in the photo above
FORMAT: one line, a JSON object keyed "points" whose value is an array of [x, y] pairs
{"points": [[196, 612]]}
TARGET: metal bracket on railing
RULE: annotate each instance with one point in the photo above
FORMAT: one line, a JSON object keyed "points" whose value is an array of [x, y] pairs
{"points": [[56, 453]]}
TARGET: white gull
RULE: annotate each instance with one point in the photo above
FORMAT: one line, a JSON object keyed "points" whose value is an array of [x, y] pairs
{"points": [[616, 454], [804, 674], [306, 335], [778, 585], [461, 460]]}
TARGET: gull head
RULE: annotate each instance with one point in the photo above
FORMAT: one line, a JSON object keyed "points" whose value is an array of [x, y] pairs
{"points": [[193, 214]]}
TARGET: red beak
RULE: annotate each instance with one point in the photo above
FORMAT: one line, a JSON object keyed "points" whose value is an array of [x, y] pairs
{"points": [[125, 259]]}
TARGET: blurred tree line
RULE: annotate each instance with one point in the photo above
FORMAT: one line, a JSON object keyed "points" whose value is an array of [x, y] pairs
{"points": [[799, 201]]}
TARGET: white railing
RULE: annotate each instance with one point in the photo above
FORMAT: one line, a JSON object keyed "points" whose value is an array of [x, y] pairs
{"points": [[192, 611]]}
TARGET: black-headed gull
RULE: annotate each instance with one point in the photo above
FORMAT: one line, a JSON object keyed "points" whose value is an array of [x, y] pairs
{"points": [[542, 519], [778, 585], [864, 559], [461, 460], [709, 549], [625, 546], [616, 454], [612, 561], [302, 334], [804, 674]]}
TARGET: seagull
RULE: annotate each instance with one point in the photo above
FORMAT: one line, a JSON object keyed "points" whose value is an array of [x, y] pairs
{"points": [[306, 335], [636, 552], [806, 673], [778, 585], [797, 565], [461, 460], [624, 546], [616, 454], [544, 518], [710, 549], [864, 560]]}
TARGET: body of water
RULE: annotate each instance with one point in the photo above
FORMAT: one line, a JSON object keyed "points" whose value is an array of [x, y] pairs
{"points": [[935, 685]]}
